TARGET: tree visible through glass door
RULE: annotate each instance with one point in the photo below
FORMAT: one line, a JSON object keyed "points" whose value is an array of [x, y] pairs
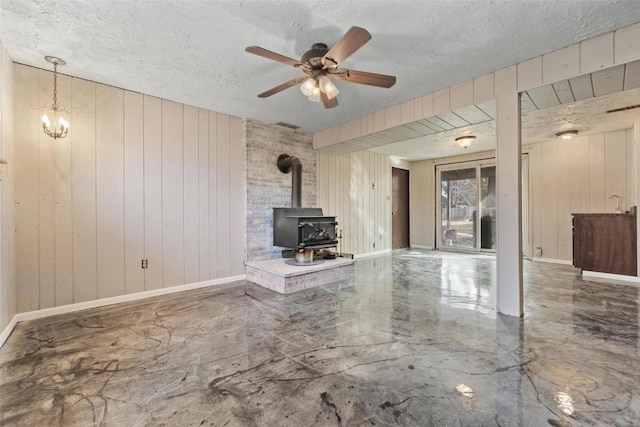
{"points": [[459, 199]]}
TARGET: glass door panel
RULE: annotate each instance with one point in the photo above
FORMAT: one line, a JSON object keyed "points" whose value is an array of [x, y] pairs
{"points": [[488, 207], [458, 202]]}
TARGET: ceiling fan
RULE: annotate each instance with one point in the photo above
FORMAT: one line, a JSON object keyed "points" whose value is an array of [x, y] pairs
{"points": [[320, 64]]}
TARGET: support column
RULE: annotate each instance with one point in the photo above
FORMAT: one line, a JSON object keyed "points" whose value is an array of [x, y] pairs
{"points": [[509, 178], [636, 179]]}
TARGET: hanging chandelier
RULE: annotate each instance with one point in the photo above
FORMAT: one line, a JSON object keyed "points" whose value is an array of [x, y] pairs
{"points": [[60, 126]]}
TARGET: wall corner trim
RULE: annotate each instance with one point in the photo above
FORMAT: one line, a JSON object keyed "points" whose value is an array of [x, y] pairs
{"points": [[372, 254], [70, 308], [552, 260], [595, 276], [7, 331]]}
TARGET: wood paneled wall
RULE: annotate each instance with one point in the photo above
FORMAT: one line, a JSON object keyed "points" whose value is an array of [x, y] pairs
{"points": [[565, 177], [576, 176], [136, 178], [7, 261], [356, 187]]}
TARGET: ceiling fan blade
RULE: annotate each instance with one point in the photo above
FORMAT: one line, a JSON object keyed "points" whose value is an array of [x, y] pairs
{"points": [[328, 103], [364, 78], [256, 50], [353, 40], [282, 87]]}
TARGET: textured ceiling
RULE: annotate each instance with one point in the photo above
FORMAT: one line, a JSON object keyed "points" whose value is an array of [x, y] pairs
{"points": [[193, 51]]}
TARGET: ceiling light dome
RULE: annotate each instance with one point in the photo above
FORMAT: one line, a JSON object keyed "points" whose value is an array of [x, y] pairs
{"points": [[567, 134], [465, 141]]}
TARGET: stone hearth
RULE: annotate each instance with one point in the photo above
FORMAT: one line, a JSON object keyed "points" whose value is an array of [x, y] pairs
{"points": [[277, 275]]}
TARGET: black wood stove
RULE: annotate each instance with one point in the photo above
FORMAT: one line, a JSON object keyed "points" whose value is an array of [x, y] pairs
{"points": [[301, 229]]}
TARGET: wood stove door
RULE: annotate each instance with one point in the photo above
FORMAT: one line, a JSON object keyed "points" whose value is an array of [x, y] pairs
{"points": [[400, 208]]}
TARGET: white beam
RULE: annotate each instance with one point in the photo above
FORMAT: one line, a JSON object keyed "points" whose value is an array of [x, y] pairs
{"points": [[636, 177], [508, 172]]}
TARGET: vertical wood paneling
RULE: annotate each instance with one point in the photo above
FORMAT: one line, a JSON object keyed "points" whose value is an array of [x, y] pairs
{"points": [[172, 193], [82, 140], [7, 205], [223, 182], [431, 190], [63, 206], [361, 206], [579, 166], [631, 170], [330, 204], [321, 193], [563, 221], [615, 182], [462, 94], [45, 207], [26, 185], [379, 232], [131, 181], [549, 209], [561, 64], [191, 195], [153, 275], [203, 191], [587, 171], [387, 193], [535, 191], [110, 190], [237, 202], [353, 200], [213, 195], [364, 216], [133, 191], [596, 173], [345, 222], [596, 53]]}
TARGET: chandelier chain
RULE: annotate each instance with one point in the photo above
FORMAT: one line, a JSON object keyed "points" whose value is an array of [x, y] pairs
{"points": [[55, 87]]}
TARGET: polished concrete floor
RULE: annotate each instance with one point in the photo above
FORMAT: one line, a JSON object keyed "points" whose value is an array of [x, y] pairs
{"points": [[414, 339]]}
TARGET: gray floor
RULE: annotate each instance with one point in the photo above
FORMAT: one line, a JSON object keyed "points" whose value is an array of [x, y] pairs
{"points": [[413, 340]]}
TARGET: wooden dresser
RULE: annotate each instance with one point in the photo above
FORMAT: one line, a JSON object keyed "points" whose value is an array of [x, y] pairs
{"points": [[605, 243]]}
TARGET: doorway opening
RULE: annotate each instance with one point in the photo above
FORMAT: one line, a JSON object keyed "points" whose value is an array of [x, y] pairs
{"points": [[399, 208]]}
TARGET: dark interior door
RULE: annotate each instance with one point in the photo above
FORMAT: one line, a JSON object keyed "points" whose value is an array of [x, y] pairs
{"points": [[400, 208]]}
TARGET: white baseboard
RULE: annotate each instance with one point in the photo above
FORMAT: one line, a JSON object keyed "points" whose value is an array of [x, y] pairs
{"points": [[372, 254], [70, 308], [597, 275], [7, 331], [421, 247], [552, 260]]}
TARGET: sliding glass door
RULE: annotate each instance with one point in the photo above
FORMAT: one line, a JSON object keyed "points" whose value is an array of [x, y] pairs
{"points": [[458, 201], [467, 206]]}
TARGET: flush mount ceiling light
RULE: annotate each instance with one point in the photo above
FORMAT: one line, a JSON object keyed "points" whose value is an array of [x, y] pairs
{"points": [[567, 134], [60, 124], [465, 141]]}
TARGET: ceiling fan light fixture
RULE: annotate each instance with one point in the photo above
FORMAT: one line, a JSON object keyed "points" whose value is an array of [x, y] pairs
{"points": [[315, 95], [465, 141], [567, 134], [327, 87], [308, 86]]}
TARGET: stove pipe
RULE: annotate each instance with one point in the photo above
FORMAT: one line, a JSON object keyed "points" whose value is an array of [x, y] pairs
{"points": [[286, 164]]}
